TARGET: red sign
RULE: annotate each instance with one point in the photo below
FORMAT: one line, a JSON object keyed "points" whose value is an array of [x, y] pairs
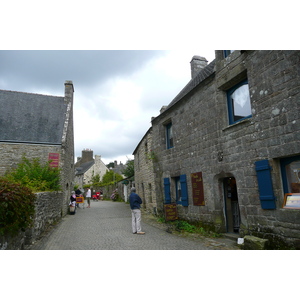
{"points": [[171, 212], [54, 158], [197, 188]]}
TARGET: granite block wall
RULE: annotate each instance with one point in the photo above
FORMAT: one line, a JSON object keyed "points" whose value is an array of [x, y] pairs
{"points": [[204, 141]]}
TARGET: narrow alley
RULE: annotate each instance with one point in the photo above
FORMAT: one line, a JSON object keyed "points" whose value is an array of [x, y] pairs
{"points": [[107, 226]]}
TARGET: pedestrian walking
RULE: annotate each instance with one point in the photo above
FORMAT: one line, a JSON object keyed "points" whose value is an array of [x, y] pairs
{"points": [[135, 205], [88, 197]]}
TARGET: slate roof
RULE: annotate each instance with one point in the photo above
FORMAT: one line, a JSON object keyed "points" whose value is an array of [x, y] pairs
{"points": [[31, 118], [201, 76], [84, 167]]}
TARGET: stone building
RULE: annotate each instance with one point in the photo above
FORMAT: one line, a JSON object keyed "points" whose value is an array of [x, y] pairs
{"points": [[39, 126], [144, 175], [118, 168], [227, 147], [86, 167]]}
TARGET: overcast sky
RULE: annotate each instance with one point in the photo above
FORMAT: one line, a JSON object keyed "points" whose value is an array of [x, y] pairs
{"points": [[116, 92]]}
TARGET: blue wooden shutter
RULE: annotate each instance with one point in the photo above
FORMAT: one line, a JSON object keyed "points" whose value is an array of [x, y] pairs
{"points": [[266, 194], [184, 191], [167, 190]]}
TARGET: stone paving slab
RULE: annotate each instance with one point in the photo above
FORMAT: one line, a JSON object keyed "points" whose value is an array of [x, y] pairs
{"points": [[107, 226]]}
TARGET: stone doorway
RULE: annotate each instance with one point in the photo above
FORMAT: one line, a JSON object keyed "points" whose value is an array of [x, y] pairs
{"points": [[231, 205]]}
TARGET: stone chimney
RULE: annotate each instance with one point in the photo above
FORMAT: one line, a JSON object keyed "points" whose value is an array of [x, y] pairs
{"points": [[69, 90], [197, 64], [87, 155], [163, 108]]}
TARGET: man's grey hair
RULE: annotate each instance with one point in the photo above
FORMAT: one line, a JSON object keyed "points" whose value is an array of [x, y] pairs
{"points": [[133, 189]]}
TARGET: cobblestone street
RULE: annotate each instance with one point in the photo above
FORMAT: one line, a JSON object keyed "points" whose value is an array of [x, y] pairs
{"points": [[107, 226]]}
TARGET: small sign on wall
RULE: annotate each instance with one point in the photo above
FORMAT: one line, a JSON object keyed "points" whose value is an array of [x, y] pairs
{"points": [[197, 188], [171, 212], [54, 160]]}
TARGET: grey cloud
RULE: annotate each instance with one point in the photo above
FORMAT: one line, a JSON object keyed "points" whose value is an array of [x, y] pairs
{"points": [[48, 69]]}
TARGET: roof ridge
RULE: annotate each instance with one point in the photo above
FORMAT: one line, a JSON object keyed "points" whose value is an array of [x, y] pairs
{"points": [[201, 76], [39, 94]]}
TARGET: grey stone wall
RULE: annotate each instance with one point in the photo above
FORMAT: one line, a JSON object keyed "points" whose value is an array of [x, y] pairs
{"points": [[11, 153], [48, 211], [205, 142], [67, 149], [144, 175]]}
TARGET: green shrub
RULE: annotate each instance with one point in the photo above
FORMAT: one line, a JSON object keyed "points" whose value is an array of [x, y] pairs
{"points": [[35, 175], [185, 226], [16, 207]]}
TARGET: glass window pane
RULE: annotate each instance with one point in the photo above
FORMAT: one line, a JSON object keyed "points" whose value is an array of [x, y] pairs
{"points": [[241, 102], [169, 136], [178, 189], [293, 176]]}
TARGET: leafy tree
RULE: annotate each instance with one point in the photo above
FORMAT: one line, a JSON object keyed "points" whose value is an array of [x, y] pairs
{"points": [[35, 175], [96, 179], [110, 165], [111, 176], [129, 168]]}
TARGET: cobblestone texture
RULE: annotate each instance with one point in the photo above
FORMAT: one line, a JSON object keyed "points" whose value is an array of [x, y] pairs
{"points": [[107, 226]]}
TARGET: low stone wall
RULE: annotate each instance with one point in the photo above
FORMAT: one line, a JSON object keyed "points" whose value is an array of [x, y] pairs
{"points": [[49, 209]]}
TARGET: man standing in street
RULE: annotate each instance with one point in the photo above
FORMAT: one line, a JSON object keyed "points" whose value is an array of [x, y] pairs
{"points": [[135, 205]]}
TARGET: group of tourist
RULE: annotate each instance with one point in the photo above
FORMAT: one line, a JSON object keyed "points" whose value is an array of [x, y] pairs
{"points": [[135, 205], [73, 204]]}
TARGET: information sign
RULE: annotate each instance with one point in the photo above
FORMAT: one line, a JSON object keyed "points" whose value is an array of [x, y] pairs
{"points": [[197, 188], [171, 212], [54, 160]]}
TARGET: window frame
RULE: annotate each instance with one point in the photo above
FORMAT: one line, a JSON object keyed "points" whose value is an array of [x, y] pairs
{"points": [[227, 52], [283, 163], [181, 190], [230, 104], [169, 135], [178, 189]]}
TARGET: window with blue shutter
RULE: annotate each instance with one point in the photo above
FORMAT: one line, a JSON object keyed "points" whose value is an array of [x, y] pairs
{"points": [[167, 190], [184, 191], [266, 194]]}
